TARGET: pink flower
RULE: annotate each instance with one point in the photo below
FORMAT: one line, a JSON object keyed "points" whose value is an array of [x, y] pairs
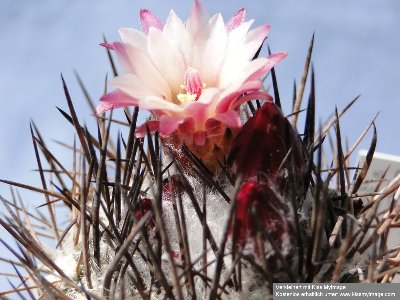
{"points": [[190, 74]]}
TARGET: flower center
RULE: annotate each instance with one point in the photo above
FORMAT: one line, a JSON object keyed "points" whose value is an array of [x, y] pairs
{"points": [[192, 86]]}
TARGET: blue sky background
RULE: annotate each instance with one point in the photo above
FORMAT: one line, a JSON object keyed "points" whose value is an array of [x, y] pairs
{"points": [[357, 51]]}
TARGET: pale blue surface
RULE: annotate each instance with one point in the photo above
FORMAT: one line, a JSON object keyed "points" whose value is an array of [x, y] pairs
{"points": [[357, 51]]}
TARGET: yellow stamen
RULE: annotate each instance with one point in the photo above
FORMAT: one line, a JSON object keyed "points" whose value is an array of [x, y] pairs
{"points": [[186, 98]]}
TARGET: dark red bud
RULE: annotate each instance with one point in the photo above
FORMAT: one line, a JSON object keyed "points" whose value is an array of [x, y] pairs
{"points": [[262, 212], [263, 143], [257, 200]]}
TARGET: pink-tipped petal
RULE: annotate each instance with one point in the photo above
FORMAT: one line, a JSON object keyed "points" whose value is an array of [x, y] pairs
{"points": [[148, 20], [142, 130], [262, 96], [254, 70], [199, 138], [237, 19], [230, 118], [169, 124], [258, 34], [235, 91], [275, 58], [123, 56], [271, 62], [107, 45], [255, 38], [115, 99], [197, 19], [103, 107]]}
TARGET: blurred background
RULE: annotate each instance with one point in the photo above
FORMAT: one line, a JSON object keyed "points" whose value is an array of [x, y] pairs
{"points": [[357, 51]]}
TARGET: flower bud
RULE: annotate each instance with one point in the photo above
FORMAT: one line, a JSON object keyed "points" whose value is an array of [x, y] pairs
{"points": [[261, 147], [264, 217]]}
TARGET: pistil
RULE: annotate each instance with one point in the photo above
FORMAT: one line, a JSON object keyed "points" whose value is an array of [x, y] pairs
{"points": [[193, 86]]}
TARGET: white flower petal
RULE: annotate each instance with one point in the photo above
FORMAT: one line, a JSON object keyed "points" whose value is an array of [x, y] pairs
{"points": [[147, 72], [179, 36], [208, 95], [167, 58], [247, 69], [252, 68], [131, 85], [133, 37], [255, 38], [238, 36], [237, 55], [197, 19], [157, 103], [209, 49]]}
